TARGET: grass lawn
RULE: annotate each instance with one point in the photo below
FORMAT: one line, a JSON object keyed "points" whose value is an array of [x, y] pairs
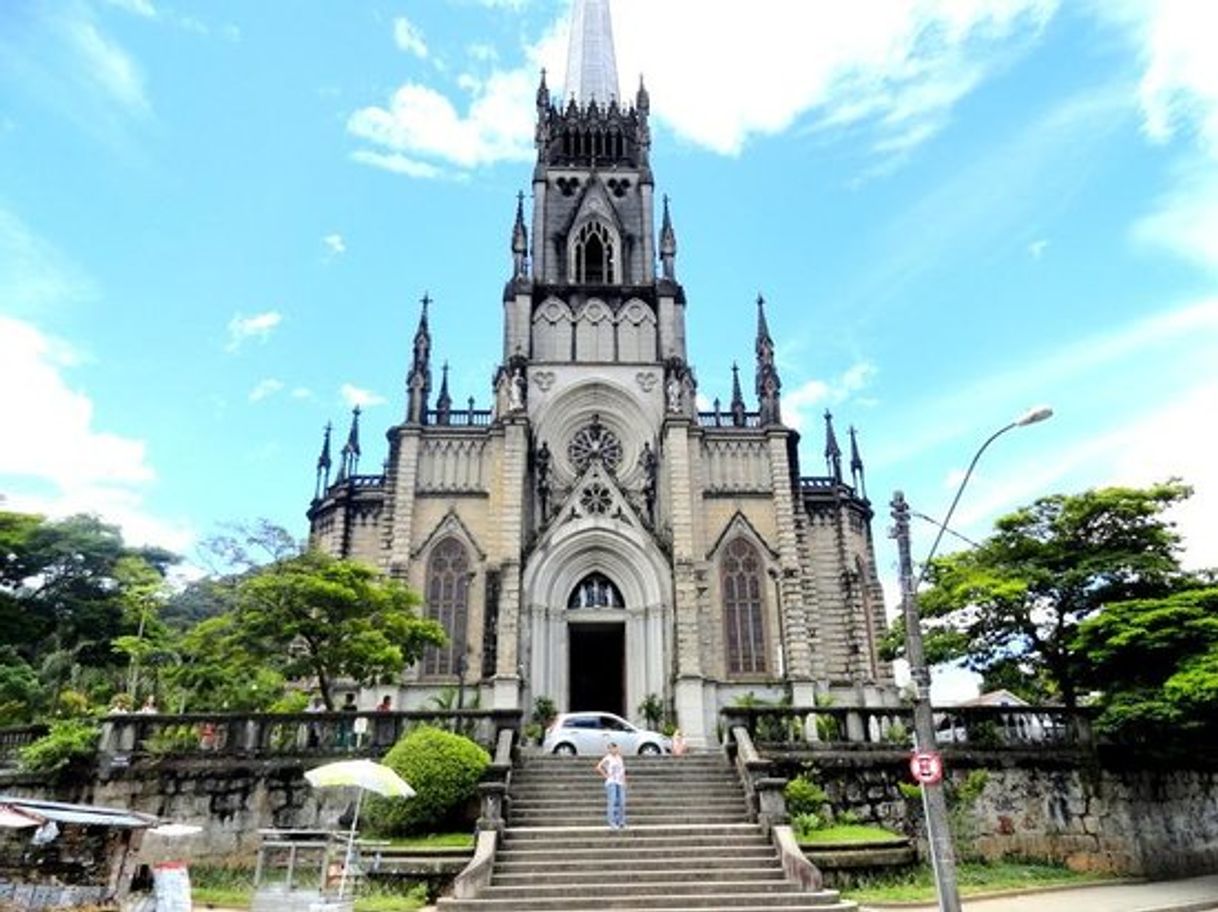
{"points": [[850, 832], [973, 880], [436, 841], [233, 888]]}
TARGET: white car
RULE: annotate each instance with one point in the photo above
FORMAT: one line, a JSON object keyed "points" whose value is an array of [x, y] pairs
{"points": [[591, 733]]}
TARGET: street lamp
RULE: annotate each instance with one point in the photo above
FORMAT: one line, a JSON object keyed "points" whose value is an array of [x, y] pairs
{"points": [[938, 833]]}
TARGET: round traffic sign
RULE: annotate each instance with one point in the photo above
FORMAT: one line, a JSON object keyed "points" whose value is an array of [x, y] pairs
{"points": [[927, 767]]}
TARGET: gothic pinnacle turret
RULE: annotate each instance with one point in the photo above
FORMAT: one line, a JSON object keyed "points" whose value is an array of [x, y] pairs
{"points": [[738, 408], [591, 63], [856, 465], [323, 465], [520, 242], [833, 452], [351, 450], [769, 385], [418, 381], [668, 245], [444, 402]]}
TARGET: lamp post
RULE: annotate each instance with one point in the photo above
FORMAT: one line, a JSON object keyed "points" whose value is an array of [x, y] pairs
{"points": [[938, 833]]}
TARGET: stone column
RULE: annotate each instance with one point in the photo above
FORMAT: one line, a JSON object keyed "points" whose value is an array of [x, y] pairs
{"points": [[402, 480], [689, 690], [511, 535], [798, 646]]}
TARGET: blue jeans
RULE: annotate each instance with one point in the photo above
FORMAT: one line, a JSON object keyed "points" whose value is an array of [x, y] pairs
{"points": [[615, 796]]}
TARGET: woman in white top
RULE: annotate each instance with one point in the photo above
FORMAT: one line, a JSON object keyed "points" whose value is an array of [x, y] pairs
{"points": [[613, 770]]}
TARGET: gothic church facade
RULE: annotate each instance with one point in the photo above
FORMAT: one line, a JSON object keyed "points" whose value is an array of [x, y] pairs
{"points": [[594, 537]]}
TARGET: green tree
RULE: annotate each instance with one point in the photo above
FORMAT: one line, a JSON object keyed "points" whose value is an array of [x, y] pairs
{"points": [[218, 670], [319, 617], [1010, 608], [1156, 663]]}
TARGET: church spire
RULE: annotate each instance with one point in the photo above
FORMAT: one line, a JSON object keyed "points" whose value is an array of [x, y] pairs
{"points": [[856, 465], [591, 64], [769, 385], [738, 409], [520, 241], [418, 381], [668, 245], [323, 465], [833, 452]]}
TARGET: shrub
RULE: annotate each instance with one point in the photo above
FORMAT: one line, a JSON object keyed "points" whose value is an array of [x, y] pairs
{"points": [[652, 709], [442, 768], [804, 797], [69, 741], [910, 791], [544, 711], [803, 824]]}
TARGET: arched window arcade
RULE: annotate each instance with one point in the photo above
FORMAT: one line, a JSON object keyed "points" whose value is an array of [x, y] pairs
{"points": [[743, 608], [594, 257], [448, 576]]}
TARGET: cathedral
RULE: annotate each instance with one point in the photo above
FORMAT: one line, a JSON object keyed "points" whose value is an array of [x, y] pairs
{"points": [[594, 537]]}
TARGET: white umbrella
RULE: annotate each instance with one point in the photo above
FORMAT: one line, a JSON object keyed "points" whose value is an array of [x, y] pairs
{"points": [[366, 776]]}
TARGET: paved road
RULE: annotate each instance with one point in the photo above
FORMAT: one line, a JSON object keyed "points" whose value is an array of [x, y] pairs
{"points": [[1197, 894]]}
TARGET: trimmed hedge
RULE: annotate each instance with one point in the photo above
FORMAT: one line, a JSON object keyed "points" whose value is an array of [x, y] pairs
{"points": [[444, 770]]}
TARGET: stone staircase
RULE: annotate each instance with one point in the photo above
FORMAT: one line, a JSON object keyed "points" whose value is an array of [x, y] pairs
{"points": [[688, 843]]}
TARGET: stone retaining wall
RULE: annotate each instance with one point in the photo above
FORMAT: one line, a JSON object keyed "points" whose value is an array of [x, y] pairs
{"points": [[1064, 806]]}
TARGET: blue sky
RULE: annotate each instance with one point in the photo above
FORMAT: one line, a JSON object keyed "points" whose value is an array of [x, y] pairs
{"points": [[216, 221]]}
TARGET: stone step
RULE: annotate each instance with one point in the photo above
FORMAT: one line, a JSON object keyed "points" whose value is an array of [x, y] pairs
{"points": [[655, 860], [614, 890], [592, 818], [604, 897], [640, 802], [632, 874]]}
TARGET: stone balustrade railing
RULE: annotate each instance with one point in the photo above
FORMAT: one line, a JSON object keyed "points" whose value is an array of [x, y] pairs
{"points": [[12, 740], [328, 734], [855, 728]]}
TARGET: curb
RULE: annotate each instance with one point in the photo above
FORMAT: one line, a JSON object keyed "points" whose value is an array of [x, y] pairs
{"points": [[932, 905]]}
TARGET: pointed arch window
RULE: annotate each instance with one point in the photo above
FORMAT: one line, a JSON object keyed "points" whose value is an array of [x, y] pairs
{"points": [[596, 591], [594, 255], [743, 608], [448, 577]]}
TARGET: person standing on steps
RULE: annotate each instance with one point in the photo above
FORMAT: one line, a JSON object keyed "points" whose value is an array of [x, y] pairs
{"points": [[613, 770]]}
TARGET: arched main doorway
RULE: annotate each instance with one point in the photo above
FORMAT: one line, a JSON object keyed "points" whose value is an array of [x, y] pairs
{"points": [[596, 646], [597, 616]]}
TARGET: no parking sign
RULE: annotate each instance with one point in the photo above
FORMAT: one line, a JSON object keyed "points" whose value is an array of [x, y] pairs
{"points": [[927, 767]]}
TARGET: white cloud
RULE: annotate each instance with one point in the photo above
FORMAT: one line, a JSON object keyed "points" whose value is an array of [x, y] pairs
{"points": [[800, 405], [1037, 248], [421, 123], [482, 52], [397, 163], [107, 66], [137, 7], [354, 395], [302, 392], [34, 276], [1185, 218], [1178, 96], [259, 326], [335, 244], [409, 37], [265, 388], [58, 462], [898, 69]]}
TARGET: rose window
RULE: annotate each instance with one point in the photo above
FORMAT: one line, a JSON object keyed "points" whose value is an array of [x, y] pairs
{"points": [[595, 442], [596, 499]]}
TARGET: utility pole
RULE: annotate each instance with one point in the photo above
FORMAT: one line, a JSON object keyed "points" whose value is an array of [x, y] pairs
{"points": [[934, 802]]}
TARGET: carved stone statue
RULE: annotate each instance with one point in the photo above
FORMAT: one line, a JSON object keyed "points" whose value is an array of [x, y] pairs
{"points": [[650, 466], [516, 391], [542, 468], [673, 391]]}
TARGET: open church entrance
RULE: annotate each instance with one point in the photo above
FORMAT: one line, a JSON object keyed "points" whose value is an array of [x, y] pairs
{"points": [[597, 646], [598, 667]]}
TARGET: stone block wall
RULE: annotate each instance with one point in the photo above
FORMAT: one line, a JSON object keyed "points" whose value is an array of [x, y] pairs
{"points": [[1067, 807]]}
